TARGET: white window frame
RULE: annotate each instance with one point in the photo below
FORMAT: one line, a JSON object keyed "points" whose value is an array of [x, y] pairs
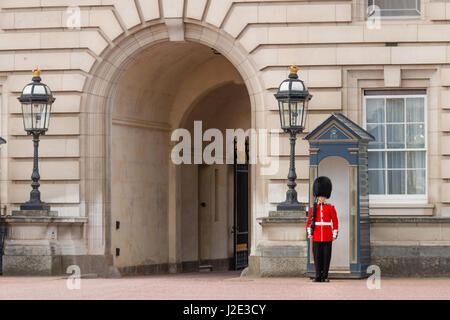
{"points": [[419, 9], [401, 198]]}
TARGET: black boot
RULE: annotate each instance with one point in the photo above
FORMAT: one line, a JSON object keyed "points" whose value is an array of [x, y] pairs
{"points": [[321, 277]]}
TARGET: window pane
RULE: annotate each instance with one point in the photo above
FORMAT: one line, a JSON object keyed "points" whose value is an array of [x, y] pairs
{"points": [[416, 159], [27, 89], [376, 182], [414, 110], [415, 136], [416, 181], [396, 160], [396, 181], [399, 13], [396, 7], [396, 172], [27, 116], [375, 110], [39, 89], [395, 111], [395, 136], [284, 106], [295, 116], [377, 130], [377, 160], [396, 4]]}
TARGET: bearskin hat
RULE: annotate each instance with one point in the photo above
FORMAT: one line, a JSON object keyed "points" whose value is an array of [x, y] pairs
{"points": [[322, 187]]}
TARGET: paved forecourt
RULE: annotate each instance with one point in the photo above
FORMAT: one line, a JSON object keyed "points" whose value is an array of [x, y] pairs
{"points": [[215, 285]]}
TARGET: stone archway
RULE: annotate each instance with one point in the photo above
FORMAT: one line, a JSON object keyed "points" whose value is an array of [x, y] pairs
{"points": [[101, 94]]}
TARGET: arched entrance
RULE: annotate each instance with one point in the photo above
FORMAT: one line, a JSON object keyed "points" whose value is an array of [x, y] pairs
{"points": [[98, 121], [156, 221]]}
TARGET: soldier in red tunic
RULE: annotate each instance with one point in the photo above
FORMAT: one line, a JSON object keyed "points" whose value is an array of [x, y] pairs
{"points": [[322, 228]]}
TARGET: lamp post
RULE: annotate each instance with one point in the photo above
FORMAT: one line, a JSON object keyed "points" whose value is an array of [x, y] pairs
{"points": [[293, 98], [36, 100]]}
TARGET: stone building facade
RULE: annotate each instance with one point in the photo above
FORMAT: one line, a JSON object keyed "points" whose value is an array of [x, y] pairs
{"points": [[127, 73]]}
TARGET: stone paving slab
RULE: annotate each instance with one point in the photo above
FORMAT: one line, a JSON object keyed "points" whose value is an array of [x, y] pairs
{"points": [[226, 286]]}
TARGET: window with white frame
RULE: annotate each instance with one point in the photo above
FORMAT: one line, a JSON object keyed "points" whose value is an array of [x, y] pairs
{"points": [[398, 156], [393, 8]]}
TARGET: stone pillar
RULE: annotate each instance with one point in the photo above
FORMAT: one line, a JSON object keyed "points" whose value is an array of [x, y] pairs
{"points": [[39, 242], [282, 251], [174, 217]]}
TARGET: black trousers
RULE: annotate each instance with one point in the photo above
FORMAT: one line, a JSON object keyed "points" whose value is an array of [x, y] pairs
{"points": [[322, 257]]}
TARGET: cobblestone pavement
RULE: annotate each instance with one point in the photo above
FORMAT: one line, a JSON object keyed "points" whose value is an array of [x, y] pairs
{"points": [[214, 285]]}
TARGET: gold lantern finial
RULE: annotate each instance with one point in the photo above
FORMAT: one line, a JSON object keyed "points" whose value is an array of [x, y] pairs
{"points": [[294, 68], [36, 72]]}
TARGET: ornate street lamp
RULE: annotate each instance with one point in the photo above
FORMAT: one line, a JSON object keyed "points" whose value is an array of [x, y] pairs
{"points": [[293, 98], [36, 100]]}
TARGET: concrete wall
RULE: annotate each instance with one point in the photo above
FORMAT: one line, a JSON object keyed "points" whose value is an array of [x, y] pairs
{"points": [[139, 196]]}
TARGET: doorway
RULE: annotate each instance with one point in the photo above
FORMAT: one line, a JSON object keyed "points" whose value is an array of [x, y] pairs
{"points": [[213, 220], [337, 169], [223, 214]]}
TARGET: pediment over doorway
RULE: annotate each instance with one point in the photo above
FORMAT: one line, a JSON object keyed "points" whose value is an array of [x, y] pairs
{"points": [[338, 128]]}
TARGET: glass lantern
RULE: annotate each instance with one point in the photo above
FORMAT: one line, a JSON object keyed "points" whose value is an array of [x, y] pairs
{"points": [[293, 98], [36, 100]]}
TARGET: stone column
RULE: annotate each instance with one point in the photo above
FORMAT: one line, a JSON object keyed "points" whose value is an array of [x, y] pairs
{"points": [[39, 242], [282, 251], [174, 220]]}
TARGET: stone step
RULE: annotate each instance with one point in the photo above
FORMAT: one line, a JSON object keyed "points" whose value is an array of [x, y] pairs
{"points": [[205, 268]]}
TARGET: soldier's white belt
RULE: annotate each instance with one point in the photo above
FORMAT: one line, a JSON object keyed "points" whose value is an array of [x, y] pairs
{"points": [[323, 223]]}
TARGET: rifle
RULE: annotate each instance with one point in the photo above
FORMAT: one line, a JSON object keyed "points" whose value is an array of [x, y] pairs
{"points": [[313, 216]]}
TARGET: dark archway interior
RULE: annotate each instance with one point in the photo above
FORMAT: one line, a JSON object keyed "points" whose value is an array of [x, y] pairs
{"points": [[169, 84]]}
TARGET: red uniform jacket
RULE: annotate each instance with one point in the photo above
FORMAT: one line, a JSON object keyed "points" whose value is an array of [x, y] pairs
{"points": [[326, 223]]}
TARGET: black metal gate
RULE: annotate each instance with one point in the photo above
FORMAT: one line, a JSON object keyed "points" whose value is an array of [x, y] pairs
{"points": [[240, 228]]}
